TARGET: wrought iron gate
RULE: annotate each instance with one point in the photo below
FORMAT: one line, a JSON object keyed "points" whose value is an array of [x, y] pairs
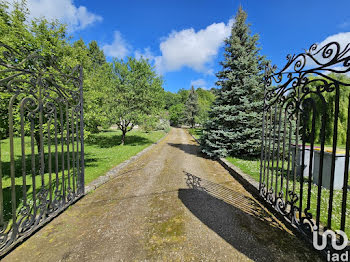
{"points": [[41, 143], [300, 176]]}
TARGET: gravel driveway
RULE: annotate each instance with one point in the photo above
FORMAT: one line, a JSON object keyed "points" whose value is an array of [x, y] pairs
{"points": [[171, 204]]}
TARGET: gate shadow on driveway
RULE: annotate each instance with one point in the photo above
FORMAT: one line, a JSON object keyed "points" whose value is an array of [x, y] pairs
{"points": [[242, 222]]}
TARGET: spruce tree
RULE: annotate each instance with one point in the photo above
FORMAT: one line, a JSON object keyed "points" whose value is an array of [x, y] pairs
{"points": [[234, 125], [96, 54], [191, 106]]}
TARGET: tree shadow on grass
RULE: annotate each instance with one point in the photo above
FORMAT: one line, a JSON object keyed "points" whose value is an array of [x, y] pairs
{"points": [[7, 200], [6, 165], [242, 222], [90, 160], [108, 141]]}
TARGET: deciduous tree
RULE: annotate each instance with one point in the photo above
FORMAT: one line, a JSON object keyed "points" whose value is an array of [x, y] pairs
{"points": [[137, 94]]}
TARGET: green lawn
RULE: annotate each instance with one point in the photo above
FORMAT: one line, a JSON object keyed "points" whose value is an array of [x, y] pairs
{"points": [[196, 132], [102, 152]]}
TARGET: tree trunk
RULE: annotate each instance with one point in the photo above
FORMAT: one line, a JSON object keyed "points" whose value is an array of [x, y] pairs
{"points": [[192, 120], [123, 137]]}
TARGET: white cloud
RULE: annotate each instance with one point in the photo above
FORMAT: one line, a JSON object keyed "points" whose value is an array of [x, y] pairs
{"points": [[342, 38], [199, 83], [65, 11], [119, 47], [192, 49]]}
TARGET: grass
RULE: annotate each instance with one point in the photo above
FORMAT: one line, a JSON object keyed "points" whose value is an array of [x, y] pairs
{"points": [[102, 152], [196, 132]]}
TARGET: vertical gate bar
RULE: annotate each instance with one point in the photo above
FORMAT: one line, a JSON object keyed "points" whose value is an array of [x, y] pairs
{"points": [[73, 153], [346, 172], [278, 149], [296, 155], [41, 153], [49, 160], [265, 144], [303, 139], [262, 143], [273, 145], [24, 171], [68, 142], [335, 138], [289, 152], [1, 193], [62, 156], [269, 151], [320, 173], [284, 148], [56, 152], [311, 153], [12, 168], [77, 152], [32, 144], [82, 131]]}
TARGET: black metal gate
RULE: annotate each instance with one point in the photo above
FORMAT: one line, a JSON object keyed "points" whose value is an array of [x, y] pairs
{"points": [[41, 143], [306, 139]]}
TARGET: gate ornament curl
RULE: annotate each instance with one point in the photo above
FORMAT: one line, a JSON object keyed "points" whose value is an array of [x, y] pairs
{"points": [[301, 114], [41, 141]]}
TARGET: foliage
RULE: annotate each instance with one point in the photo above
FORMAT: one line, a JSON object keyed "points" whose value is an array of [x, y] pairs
{"points": [[137, 94], [38, 37], [177, 114], [163, 122], [105, 96], [171, 99], [179, 106], [51, 39], [183, 94], [205, 100], [98, 81], [191, 106], [329, 108], [234, 126]]}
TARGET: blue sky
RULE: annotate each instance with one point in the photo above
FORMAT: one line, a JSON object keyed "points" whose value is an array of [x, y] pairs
{"points": [[183, 38]]}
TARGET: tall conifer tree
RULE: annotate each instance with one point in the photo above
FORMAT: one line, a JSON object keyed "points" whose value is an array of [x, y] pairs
{"points": [[234, 125], [192, 107]]}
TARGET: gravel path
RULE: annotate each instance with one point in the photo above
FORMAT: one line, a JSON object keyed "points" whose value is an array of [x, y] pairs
{"points": [[171, 204]]}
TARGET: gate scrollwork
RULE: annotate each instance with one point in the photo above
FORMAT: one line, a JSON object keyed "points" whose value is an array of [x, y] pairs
{"points": [[42, 141], [292, 178]]}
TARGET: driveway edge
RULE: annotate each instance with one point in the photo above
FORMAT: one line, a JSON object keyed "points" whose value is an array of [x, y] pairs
{"points": [[247, 182]]}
